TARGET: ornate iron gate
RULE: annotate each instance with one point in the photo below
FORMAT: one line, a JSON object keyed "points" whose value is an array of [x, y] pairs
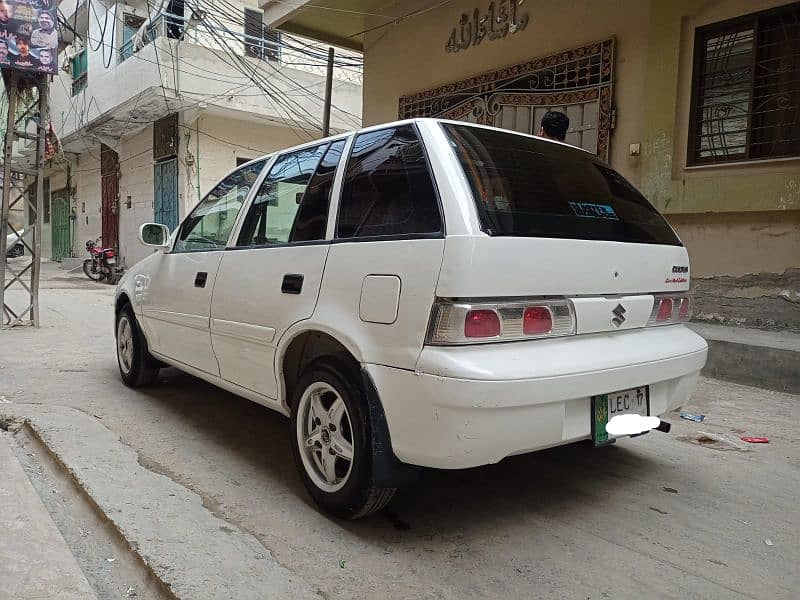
{"points": [[578, 82]]}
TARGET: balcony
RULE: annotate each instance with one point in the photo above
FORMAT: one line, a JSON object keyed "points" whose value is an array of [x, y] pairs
{"points": [[200, 67]]}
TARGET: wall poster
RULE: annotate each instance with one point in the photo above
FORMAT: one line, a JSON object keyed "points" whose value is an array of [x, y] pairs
{"points": [[28, 35]]}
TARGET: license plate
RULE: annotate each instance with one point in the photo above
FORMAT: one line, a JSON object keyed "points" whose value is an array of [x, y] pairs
{"points": [[606, 406], [111, 261]]}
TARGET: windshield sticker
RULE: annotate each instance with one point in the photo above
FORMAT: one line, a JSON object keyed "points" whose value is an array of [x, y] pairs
{"points": [[593, 211]]}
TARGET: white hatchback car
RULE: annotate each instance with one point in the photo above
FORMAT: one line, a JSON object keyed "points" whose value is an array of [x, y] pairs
{"points": [[421, 293]]}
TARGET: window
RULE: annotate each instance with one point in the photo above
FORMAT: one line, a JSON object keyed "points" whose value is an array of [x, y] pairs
{"points": [[746, 88], [210, 224], [260, 41], [527, 187], [388, 188], [79, 69], [312, 216], [273, 211]]}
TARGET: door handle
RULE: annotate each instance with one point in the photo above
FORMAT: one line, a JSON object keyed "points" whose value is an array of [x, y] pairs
{"points": [[200, 279], [292, 283]]}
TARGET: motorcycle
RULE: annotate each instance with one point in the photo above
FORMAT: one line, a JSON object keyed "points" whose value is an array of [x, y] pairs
{"points": [[102, 264]]}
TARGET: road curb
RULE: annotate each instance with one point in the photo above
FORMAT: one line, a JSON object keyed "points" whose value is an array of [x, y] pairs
{"points": [[37, 563], [765, 359], [192, 552]]}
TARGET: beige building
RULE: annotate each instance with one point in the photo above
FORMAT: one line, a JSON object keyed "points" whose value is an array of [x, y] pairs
{"points": [[697, 102]]}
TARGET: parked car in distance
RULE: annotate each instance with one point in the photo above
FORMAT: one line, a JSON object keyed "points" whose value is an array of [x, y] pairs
{"points": [[419, 294], [14, 247]]}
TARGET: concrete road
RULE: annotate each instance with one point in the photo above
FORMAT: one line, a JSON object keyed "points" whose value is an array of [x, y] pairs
{"points": [[673, 516]]}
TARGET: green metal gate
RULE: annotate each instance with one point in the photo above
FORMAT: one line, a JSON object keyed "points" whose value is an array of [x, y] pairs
{"points": [[60, 226], [165, 208]]}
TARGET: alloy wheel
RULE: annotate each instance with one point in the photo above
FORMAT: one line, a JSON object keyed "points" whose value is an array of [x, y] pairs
{"points": [[125, 344], [325, 437]]}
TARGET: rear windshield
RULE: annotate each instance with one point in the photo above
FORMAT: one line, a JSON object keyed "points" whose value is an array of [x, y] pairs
{"points": [[533, 188]]}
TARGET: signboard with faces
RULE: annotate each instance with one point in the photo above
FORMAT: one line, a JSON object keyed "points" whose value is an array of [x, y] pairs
{"points": [[28, 35]]}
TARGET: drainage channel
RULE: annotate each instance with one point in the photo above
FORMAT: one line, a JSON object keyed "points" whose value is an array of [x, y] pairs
{"points": [[112, 569]]}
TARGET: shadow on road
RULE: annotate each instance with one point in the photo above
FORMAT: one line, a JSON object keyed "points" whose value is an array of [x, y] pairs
{"points": [[558, 481]]}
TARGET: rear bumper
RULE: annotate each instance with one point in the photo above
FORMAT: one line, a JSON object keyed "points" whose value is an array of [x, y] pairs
{"points": [[470, 406]]}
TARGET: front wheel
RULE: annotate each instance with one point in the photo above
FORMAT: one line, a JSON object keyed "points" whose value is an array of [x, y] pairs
{"points": [[90, 270], [137, 366], [332, 442]]}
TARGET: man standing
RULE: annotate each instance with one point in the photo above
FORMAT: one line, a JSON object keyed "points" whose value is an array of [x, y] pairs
{"points": [[554, 126]]}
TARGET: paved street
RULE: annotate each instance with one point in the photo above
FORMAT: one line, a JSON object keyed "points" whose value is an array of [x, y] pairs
{"points": [[674, 516]]}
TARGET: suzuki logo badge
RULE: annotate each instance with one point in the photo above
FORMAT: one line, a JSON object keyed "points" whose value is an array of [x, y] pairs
{"points": [[619, 315]]}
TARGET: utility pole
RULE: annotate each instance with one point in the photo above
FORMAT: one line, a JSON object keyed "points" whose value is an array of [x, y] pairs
{"points": [[23, 186], [326, 115]]}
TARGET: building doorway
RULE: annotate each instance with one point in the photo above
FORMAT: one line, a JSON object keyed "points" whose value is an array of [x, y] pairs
{"points": [[165, 206], [109, 194], [60, 224]]}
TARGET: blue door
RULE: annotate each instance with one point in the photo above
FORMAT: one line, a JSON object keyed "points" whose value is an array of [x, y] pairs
{"points": [[165, 204]]}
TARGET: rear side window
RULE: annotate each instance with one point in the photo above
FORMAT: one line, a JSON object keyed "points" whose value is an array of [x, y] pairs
{"points": [[273, 210], [312, 216], [388, 189], [533, 188]]}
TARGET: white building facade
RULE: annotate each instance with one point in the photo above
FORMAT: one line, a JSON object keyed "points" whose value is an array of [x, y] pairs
{"points": [[153, 108]]}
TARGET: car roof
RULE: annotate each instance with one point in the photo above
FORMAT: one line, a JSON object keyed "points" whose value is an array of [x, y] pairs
{"points": [[380, 126]]}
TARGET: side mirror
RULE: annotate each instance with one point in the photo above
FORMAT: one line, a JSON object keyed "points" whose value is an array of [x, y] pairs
{"points": [[154, 235]]}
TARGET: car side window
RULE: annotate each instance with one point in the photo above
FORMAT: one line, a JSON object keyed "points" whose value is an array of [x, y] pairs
{"points": [[312, 216], [388, 189], [272, 213], [210, 223]]}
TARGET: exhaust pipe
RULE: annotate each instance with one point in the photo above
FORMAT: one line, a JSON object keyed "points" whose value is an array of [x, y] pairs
{"points": [[664, 426]]}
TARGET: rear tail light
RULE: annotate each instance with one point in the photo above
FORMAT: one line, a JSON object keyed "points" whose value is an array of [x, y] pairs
{"points": [[474, 322], [669, 309], [537, 320], [664, 310], [481, 323]]}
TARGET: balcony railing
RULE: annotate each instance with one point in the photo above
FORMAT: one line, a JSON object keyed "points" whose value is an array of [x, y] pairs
{"points": [[271, 46]]}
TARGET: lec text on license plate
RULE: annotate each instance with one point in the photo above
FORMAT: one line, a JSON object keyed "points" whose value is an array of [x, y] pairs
{"points": [[606, 406]]}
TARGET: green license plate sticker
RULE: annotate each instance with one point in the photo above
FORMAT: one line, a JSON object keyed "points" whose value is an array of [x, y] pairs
{"points": [[600, 420], [606, 406]]}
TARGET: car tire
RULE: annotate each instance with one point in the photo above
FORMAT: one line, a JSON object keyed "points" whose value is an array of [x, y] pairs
{"points": [[322, 442], [137, 367]]}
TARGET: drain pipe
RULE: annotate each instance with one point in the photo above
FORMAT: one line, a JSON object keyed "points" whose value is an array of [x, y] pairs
{"points": [[197, 155]]}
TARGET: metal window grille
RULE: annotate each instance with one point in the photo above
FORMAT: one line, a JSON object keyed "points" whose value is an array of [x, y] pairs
{"points": [[746, 88]]}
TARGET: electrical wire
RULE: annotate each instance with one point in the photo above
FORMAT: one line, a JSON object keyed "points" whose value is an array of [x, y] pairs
{"points": [[158, 62], [273, 94]]}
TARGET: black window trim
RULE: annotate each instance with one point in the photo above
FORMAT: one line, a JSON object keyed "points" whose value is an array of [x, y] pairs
{"points": [[693, 160], [442, 233], [328, 143]]}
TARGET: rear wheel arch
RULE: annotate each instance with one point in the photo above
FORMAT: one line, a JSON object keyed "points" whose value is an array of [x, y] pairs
{"points": [[301, 350]]}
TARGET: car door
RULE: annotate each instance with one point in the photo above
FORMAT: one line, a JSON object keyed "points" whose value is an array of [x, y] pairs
{"points": [[271, 278], [176, 309]]}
